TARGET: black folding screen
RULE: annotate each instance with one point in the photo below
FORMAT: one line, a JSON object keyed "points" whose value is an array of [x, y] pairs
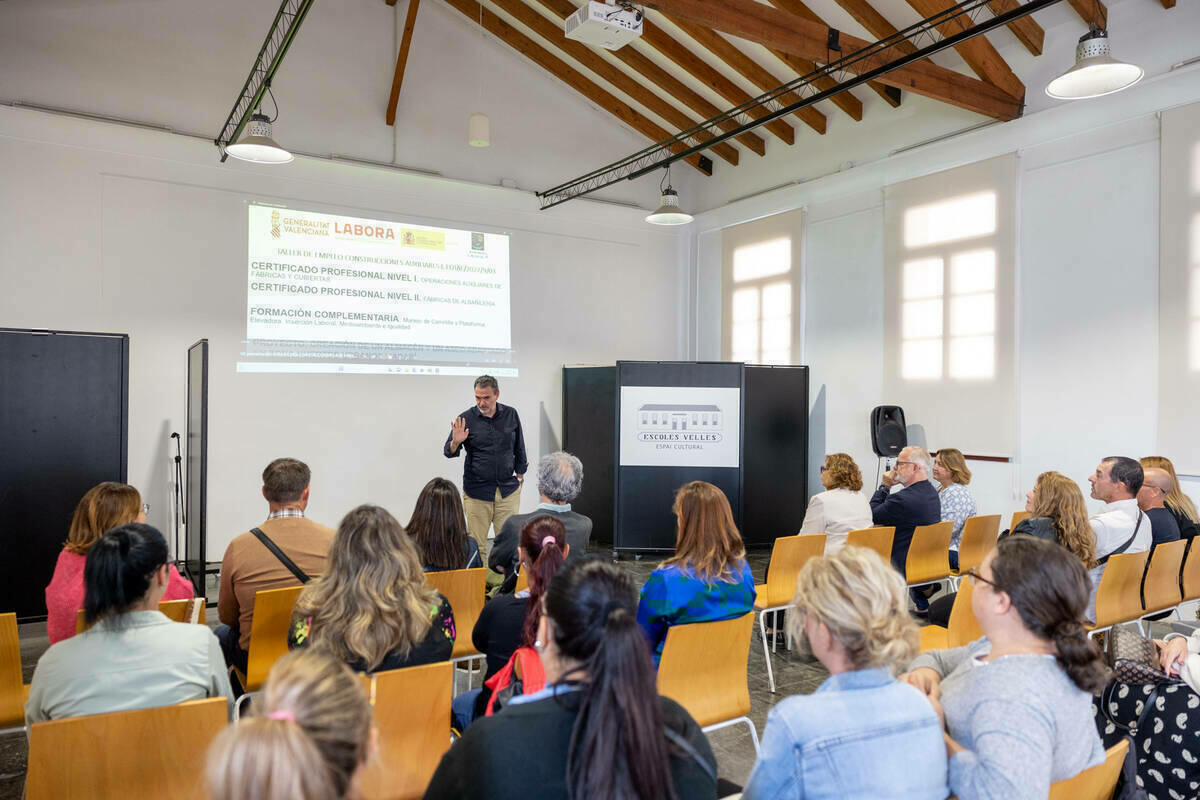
{"points": [[63, 429], [589, 419]]}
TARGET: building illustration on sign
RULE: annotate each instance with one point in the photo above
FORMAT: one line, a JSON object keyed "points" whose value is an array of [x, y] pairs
{"points": [[679, 417]]}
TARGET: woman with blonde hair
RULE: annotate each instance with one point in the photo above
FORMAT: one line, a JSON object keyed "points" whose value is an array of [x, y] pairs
{"points": [[105, 506], [862, 733], [372, 607], [707, 579], [842, 507], [1179, 504], [308, 739], [952, 475]]}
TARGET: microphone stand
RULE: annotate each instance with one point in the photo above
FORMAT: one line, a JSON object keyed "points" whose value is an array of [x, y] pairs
{"points": [[180, 514]]}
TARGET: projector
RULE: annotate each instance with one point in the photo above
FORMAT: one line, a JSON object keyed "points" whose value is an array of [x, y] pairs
{"points": [[604, 24]]}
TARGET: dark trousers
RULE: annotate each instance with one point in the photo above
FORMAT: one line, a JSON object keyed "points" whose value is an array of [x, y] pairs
{"points": [[235, 656]]}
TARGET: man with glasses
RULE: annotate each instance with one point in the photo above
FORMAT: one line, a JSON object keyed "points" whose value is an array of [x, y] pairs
{"points": [[1155, 486], [916, 504]]}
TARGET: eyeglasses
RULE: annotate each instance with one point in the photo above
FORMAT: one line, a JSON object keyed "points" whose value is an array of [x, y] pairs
{"points": [[975, 577], [146, 508], [824, 468], [913, 463]]}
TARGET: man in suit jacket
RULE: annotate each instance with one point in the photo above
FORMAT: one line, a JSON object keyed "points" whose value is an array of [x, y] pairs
{"points": [[560, 478], [916, 504]]}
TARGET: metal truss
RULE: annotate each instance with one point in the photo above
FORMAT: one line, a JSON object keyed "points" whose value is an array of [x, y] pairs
{"points": [[283, 30], [868, 63]]}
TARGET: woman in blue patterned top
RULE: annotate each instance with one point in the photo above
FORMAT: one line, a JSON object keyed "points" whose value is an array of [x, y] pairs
{"points": [[707, 579], [951, 473]]}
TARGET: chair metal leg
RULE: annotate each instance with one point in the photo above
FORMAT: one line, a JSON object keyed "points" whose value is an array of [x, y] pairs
{"points": [[237, 705], [737, 721], [762, 630]]}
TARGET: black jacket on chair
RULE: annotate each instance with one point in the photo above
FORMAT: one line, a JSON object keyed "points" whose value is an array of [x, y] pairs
{"points": [[915, 504]]}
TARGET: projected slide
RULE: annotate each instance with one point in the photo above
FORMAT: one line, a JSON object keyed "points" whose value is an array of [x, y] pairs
{"points": [[333, 293]]}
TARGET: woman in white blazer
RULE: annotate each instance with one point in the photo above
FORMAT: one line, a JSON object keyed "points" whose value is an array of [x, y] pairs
{"points": [[842, 507]]}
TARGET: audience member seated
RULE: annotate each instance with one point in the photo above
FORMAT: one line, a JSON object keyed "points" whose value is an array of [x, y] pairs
{"points": [[599, 728], [862, 733], [915, 505], [1058, 514], [1178, 503], [372, 607], [509, 621], [707, 579], [308, 737], [133, 656], [560, 479], [1121, 527], [1017, 702], [438, 528], [104, 507], [952, 475], [1150, 499], [841, 508], [250, 565]]}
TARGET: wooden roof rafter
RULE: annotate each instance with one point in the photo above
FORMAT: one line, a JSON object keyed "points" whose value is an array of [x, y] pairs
{"points": [[980, 54], [410, 22]]}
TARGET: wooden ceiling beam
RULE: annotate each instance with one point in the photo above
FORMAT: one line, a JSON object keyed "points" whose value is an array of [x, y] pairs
{"points": [[981, 56], [761, 23], [614, 77], [643, 66], [567, 74], [402, 59], [1093, 12], [845, 100], [745, 66], [1026, 29]]}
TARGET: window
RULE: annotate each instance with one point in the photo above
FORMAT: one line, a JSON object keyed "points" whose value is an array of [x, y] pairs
{"points": [[759, 290], [948, 299]]}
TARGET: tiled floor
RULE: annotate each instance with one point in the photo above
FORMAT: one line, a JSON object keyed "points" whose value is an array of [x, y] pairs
{"points": [[732, 746]]}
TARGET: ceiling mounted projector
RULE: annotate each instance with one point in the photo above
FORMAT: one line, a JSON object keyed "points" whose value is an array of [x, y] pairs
{"points": [[607, 25]]}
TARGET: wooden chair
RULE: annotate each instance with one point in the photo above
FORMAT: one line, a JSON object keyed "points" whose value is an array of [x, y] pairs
{"points": [[522, 582], [1017, 517], [788, 555], [963, 627], [703, 668], [13, 690], [412, 714], [465, 589], [929, 554], [1119, 598], [878, 539], [139, 755], [175, 610], [268, 638], [1160, 587], [978, 538], [1097, 783], [1189, 577]]}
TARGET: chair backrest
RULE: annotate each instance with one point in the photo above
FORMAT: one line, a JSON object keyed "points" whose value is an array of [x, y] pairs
{"points": [[1189, 576], [1161, 588], [929, 553], [465, 589], [175, 610], [12, 686], [1097, 783], [139, 755], [269, 632], [522, 581], [1119, 597], [963, 627], [788, 555], [978, 538], [703, 668], [878, 539], [412, 715], [1017, 517]]}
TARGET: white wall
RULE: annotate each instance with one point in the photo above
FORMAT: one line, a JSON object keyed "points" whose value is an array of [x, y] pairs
{"points": [[1087, 287], [109, 228]]}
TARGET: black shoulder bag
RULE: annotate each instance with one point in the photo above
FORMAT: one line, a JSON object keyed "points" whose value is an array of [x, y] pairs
{"points": [[283, 559], [1127, 543]]}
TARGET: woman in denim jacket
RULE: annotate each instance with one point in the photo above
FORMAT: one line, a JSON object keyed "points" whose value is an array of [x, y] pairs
{"points": [[862, 733]]}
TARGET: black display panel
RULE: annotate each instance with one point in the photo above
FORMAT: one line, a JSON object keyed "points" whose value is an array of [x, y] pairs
{"points": [[589, 419], [775, 453], [196, 539]]}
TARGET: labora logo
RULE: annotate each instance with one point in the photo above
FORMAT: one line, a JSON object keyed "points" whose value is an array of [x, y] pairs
{"points": [[275, 224], [363, 231]]}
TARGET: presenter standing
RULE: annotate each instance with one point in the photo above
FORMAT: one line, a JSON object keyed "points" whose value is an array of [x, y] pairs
{"points": [[495, 467]]}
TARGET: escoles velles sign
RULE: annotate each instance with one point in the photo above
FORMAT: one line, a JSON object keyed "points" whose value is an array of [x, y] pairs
{"points": [[680, 426]]}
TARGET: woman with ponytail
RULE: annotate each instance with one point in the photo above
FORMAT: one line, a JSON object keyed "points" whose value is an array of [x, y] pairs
{"points": [[599, 729], [1017, 704], [308, 738], [132, 656], [862, 733], [510, 621]]}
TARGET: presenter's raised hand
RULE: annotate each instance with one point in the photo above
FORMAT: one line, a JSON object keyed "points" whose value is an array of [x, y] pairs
{"points": [[458, 432]]}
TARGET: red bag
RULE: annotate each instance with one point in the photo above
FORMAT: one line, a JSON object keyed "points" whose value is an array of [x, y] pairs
{"points": [[523, 674]]}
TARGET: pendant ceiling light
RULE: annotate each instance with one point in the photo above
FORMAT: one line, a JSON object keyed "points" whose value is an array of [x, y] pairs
{"points": [[1096, 73], [668, 212], [256, 144]]}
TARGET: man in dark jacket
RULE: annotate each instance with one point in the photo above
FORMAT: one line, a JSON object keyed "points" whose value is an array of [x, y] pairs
{"points": [[916, 504]]}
